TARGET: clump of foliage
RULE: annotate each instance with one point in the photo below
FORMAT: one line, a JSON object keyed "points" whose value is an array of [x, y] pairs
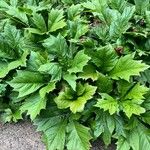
{"points": [[79, 69]]}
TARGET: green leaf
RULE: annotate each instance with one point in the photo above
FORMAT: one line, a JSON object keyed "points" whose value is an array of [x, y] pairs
{"points": [[137, 92], [12, 35], [139, 138], [144, 136], [145, 76], [74, 11], [77, 29], [118, 4], [16, 12], [134, 139], [83, 70], [27, 43], [109, 16], [5, 50], [127, 67], [131, 108], [56, 20], [148, 17], [54, 69], [71, 79], [104, 84], [104, 125], [146, 117], [26, 82], [122, 144], [33, 105], [75, 100], [121, 24], [96, 5], [6, 67], [124, 87], [79, 137], [104, 58], [2, 89], [102, 32], [55, 130], [108, 103], [3, 5], [9, 116], [79, 61], [133, 91], [35, 31], [141, 6], [36, 60], [13, 3], [89, 5], [89, 72], [43, 91], [39, 22], [56, 46]]}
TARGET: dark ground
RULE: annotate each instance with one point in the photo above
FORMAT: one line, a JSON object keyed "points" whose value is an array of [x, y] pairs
{"points": [[22, 136]]}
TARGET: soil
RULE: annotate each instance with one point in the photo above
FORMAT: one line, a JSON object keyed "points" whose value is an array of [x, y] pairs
{"points": [[23, 136]]}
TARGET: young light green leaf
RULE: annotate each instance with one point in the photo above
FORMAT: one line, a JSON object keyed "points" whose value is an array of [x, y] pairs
{"points": [[108, 103], [127, 67], [79, 137], [79, 61], [75, 100], [133, 91], [137, 92], [131, 108]]}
